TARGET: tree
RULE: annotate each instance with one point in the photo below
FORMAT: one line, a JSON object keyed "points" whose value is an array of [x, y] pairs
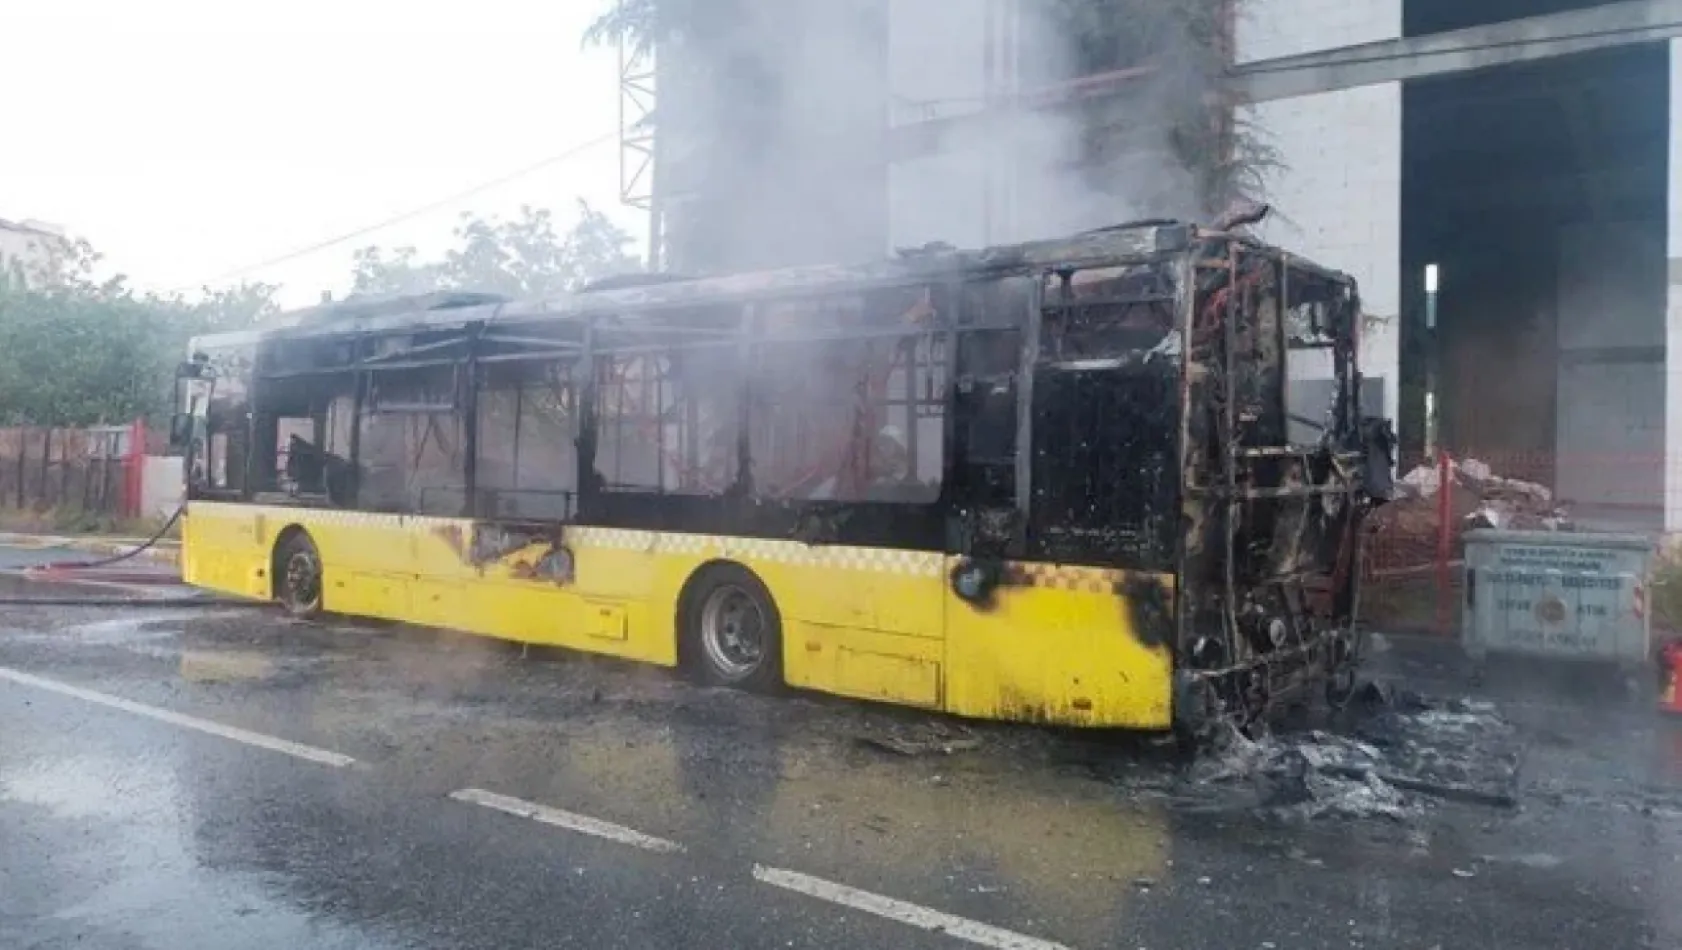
{"points": [[62, 266], [524, 257], [75, 350], [79, 350], [227, 308]]}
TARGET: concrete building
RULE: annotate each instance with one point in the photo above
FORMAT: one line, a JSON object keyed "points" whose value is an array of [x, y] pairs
{"points": [[1529, 149], [25, 245]]}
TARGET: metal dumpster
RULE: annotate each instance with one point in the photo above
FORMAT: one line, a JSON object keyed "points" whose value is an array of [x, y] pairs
{"points": [[1559, 595]]}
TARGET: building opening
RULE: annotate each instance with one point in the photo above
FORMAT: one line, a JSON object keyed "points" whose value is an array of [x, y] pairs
{"points": [[1539, 192]]}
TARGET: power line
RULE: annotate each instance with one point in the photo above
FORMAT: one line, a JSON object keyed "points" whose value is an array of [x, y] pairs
{"points": [[411, 213]]}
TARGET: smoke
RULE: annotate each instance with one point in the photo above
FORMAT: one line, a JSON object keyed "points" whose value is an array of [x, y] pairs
{"points": [[770, 123], [1012, 172], [804, 131]]}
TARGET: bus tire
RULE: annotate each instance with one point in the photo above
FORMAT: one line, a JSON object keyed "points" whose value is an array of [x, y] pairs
{"points": [[731, 630], [298, 583]]}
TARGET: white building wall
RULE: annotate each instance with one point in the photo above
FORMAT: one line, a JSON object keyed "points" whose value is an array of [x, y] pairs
{"points": [[1337, 198], [1610, 418], [1673, 321], [28, 245], [937, 67]]}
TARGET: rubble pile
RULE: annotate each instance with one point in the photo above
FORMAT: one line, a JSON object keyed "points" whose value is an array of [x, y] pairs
{"points": [[1478, 498]]}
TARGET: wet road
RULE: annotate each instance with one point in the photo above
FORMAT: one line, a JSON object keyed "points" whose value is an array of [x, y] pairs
{"points": [[16, 558], [220, 777]]}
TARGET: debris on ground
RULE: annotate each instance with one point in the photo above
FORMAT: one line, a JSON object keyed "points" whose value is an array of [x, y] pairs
{"points": [[1461, 749], [930, 738], [1306, 776], [1402, 750]]}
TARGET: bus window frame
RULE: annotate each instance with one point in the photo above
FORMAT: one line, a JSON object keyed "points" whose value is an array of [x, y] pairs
{"points": [[585, 326], [873, 325]]}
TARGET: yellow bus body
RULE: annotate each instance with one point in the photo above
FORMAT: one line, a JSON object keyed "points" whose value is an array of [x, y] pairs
{"points": [[1057, 646]]}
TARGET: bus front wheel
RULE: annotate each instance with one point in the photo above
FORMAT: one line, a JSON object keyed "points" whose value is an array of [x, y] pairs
{"points": [[732, 631], [297, 573]]}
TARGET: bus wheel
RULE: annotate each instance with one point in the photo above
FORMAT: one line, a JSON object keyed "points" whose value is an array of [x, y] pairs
{"points": [[732, 629], [298, 576]]}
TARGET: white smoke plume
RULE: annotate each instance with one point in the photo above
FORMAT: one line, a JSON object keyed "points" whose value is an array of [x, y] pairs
{"points": [[772, 116]]}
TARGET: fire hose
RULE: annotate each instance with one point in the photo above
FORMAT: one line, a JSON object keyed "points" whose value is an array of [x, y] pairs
{"points": [[116, 558]]}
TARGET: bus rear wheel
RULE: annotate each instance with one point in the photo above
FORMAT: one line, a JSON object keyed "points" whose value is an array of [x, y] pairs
{"points": [[732, 631], [297, 573]]}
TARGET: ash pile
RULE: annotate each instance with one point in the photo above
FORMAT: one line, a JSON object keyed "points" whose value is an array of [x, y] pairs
{"points": [[1391, 757]]}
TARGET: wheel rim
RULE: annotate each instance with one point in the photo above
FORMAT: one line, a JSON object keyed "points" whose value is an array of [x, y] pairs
{"points": [[733, 632], [303, 581]]}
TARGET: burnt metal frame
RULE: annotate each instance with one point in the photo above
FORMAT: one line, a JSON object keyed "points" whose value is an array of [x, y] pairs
{"points": [[1216, 484], [649, 318], [1248, 678]]}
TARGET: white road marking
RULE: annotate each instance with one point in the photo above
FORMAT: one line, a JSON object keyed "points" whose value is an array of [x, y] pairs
{"points": [[913, 915], [572, 821], [257, 739]]}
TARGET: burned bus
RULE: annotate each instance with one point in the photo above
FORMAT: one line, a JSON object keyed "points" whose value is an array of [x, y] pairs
{"points": [[1062, 482]]}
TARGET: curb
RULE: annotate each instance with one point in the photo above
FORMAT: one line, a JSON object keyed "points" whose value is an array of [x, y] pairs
{"points": [[138, 577], [165, 551]]}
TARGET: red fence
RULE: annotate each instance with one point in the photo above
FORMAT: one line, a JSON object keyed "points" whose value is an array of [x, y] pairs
{"points": [[1411, 559], [95, 470], [1414, 547]]}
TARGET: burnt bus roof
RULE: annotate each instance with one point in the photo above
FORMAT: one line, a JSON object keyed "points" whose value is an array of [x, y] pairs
{"points": [[444, 310]]}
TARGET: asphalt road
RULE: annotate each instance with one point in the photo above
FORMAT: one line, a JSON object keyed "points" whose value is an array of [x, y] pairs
{"points": [[15, 558], [220, 777]]}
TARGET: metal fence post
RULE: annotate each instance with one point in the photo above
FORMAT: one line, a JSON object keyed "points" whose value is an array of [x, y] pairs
{"points": [[133, 463], [46, 491], [64, 468], [1445, 540], [23, 462]]}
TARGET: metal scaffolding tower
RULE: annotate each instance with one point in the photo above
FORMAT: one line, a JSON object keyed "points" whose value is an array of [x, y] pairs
{"points": [[637, 152]]}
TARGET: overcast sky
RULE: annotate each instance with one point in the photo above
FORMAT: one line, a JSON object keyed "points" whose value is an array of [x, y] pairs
{"points": [[188, 138]]}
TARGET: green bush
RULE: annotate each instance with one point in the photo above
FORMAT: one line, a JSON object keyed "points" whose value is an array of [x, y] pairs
{"points": [[1666, 591]]}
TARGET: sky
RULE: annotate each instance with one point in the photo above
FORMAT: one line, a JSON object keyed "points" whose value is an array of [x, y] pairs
{"points": [[187, 139]]}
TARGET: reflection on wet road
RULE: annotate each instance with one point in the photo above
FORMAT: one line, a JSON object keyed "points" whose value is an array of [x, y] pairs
{"points": [[152, 795]]}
